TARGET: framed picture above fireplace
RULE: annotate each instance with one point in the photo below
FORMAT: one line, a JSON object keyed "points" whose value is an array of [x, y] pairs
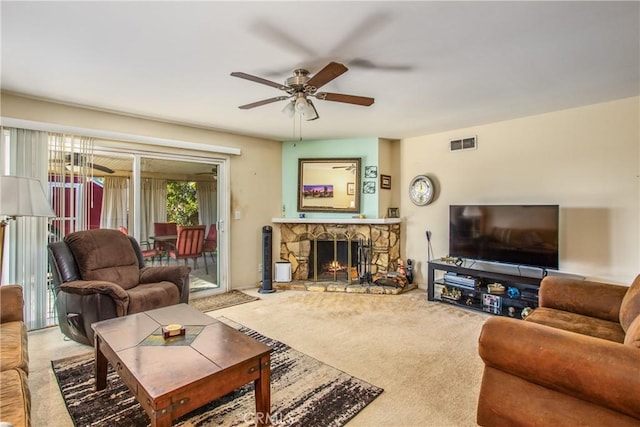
{"points": [[329, 185]]}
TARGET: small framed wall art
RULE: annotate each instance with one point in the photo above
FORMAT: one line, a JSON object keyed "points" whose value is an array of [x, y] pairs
{"points": [[369, 187], [385, 182], [393, 213], [351, 188], [370, 171]]}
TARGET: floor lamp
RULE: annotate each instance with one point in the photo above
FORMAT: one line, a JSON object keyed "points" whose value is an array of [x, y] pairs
{"points": [[20, 196]]}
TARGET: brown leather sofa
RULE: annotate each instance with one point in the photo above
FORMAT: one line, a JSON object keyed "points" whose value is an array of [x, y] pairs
{"points": [[15, 399], [574, 361], [100, 274]]}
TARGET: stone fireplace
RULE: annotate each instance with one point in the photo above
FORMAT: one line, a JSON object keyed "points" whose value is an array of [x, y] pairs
{"points": [[328, 250]]}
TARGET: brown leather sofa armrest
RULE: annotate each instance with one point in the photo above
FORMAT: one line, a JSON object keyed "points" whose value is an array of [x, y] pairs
{"points": [[592, 369], [178, 275], [175, 274], [89, 287], [593, 299], [11, 303]]}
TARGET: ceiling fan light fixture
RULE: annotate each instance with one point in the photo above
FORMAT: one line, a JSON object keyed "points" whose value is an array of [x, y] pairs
{"points": [[311, 113], [289, 109], [301, 104]]}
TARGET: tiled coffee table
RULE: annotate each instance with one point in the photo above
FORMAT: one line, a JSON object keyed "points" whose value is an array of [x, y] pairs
{"points": [[173, 377]]}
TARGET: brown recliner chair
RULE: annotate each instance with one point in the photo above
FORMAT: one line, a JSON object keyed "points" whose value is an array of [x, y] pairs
{"points": [[100, 274], [574, 361]]}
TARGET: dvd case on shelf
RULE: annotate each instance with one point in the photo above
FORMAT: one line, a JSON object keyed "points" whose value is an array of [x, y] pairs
{"points": [[491, 303]]}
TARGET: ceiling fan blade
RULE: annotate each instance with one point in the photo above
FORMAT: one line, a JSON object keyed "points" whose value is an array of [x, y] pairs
{"points": [[349, 99], [100, 168], [259, 80], [263, 102], [81, 161], [328, 73], [213, 173], [366, 64], [366, 29], [289, 42]]}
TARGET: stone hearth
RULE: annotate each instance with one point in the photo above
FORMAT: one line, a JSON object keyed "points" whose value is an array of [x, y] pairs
{"points": [[342, 287]]}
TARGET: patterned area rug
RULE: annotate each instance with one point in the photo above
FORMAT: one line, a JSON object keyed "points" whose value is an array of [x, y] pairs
{"points": [[215, 302], [304, 392]]}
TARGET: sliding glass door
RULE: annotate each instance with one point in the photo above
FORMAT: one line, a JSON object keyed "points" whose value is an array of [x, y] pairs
{"points": [[183, 193], [134, 192]]}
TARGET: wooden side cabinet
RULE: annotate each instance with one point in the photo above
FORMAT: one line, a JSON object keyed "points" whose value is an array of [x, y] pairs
{"points": [[478, 289]]}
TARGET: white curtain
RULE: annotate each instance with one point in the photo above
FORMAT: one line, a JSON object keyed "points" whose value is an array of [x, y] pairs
{"points": [[114, 202], [207, 202], [24, 153], [153, 205]]}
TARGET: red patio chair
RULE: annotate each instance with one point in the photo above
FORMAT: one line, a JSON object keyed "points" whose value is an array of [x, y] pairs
{"points": [[210, 246], [145, 248], [189, 244]]}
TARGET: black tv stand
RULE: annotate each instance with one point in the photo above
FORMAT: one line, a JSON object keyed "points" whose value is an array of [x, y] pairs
{"points": [[466, 285]]}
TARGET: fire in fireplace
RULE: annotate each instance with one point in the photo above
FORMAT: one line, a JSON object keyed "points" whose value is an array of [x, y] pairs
{"points": [[333, 261]]}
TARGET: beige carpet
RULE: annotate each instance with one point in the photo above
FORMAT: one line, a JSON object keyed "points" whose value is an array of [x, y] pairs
{"points": [[423, 354], [216, 302]]}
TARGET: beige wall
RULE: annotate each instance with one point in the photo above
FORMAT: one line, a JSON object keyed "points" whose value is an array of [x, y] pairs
{"points": [[584, 159], [255, 189], [388, 164]]}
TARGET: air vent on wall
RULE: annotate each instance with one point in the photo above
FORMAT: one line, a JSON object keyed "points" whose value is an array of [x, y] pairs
{"points": [[469, 143]]}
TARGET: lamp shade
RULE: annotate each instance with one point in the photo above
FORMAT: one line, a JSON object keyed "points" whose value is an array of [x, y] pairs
{"points": [[471, 212], [21, 196]]}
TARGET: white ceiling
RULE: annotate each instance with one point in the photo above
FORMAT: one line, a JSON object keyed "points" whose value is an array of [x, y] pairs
{"points": [[437, 65]]}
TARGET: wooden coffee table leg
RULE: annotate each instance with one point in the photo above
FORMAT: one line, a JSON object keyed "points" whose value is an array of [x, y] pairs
{"points": [[101, 365], [263, 392], [161, 421]]}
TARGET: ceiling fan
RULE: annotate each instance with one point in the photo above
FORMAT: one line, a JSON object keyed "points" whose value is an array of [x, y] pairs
{"points": [[213, 173], [351, 167], [300, 87], [82, 161], [78, 161]]}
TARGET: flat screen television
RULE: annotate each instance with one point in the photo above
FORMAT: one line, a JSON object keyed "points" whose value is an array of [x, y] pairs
{"points": [[514, 234]]}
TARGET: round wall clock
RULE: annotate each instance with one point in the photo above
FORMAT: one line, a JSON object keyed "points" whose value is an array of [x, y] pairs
{"points": [[421, 190]]}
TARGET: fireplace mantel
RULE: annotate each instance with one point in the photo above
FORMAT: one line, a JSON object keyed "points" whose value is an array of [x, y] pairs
{"points": [[336, 220]]}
